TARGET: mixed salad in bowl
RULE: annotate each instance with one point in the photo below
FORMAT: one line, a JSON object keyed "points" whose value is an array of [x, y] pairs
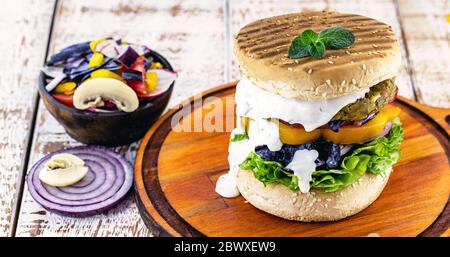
{"points": [[103, 92], [106, 75]]}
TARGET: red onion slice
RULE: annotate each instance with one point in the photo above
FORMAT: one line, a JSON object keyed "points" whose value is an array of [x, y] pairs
{"points": [[55, 82], [109, 179], [165, 80], [108, 47], [86, 181], [71, 192], [345, 149], [386, 130], [104, 190], [106, 187], [365, 120]]}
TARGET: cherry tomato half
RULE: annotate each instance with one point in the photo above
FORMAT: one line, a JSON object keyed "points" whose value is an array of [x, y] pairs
{"points": [[139, 65], [64, 99], [139, 86]]}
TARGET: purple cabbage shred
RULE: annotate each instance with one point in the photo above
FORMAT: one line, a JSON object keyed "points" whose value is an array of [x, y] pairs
{"points": [[132, 75], [110, 105], [335, 124], [365, 120], [329, 153], [128, 56], [71, 52]]}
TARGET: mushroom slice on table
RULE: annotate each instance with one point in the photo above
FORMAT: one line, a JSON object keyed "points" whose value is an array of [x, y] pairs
{"points": [[63, 170]]}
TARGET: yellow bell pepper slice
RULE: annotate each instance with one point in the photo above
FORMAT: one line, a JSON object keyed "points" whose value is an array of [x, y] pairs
{"points": [[103, 73], [296, 135], [65, 87], [94, 43], [355, 134], [69, 92], [290, 134], [151, 78], [156, 65], [96, 59]]}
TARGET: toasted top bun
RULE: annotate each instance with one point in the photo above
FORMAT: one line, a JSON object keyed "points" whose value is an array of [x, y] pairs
{"points": [[261, 48], [316, 205]]}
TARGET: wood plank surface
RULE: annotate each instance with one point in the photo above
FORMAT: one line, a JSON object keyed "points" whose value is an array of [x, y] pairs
{"points": [[188, 33], [197, 38], [426, 32], [22, 53]]}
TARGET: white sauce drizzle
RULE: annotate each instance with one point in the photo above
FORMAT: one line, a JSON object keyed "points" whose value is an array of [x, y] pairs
{"points": [[303, 166], [261, 132], [257, 103]]}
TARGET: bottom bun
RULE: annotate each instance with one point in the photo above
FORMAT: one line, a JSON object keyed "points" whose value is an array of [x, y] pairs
{"points": [[316, 205]]}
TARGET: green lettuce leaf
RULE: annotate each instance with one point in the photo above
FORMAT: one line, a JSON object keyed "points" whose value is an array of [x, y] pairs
{"points": [[374, 157], [239, 137], [269, 172], [383, 151]]}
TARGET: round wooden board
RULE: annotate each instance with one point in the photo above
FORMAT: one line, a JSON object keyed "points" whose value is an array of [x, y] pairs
{"points": [[176, 172]]}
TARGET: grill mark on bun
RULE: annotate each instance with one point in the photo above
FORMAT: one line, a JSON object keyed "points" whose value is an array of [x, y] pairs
{"points": [[281, 49], [297, 27], [262, 47], [266, 40], [270, 38], [252, 48], [294, 31], [266, 32], [344, 16], [368, 31], [377, 42], [263, 24], [355, 56], [256, 47], [266, 28], [270, 54], [358, 19]]}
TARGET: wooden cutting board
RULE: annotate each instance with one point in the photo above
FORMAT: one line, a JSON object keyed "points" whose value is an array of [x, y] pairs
{"points": [[176, 172]]}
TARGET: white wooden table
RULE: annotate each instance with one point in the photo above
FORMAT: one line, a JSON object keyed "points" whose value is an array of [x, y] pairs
{"points": [[196, 36]]}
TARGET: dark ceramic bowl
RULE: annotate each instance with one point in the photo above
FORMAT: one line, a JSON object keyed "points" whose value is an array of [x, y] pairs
{"points": [[108, 129]]}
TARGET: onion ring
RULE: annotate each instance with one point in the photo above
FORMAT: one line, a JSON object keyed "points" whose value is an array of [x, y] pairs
{"points": [[109, 179]]}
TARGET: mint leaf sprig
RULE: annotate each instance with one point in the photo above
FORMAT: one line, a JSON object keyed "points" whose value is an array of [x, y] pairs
{"points": [[309, 43]]}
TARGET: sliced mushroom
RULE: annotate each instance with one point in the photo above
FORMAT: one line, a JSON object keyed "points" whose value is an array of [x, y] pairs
{"points": [[63, 170], [93, 92]]}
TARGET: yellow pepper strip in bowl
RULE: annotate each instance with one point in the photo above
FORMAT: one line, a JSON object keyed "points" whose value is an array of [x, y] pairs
{"points": [[156, 65], [151, 78], [103, 73], [94, 43], [96, 59], [66, 87]]}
